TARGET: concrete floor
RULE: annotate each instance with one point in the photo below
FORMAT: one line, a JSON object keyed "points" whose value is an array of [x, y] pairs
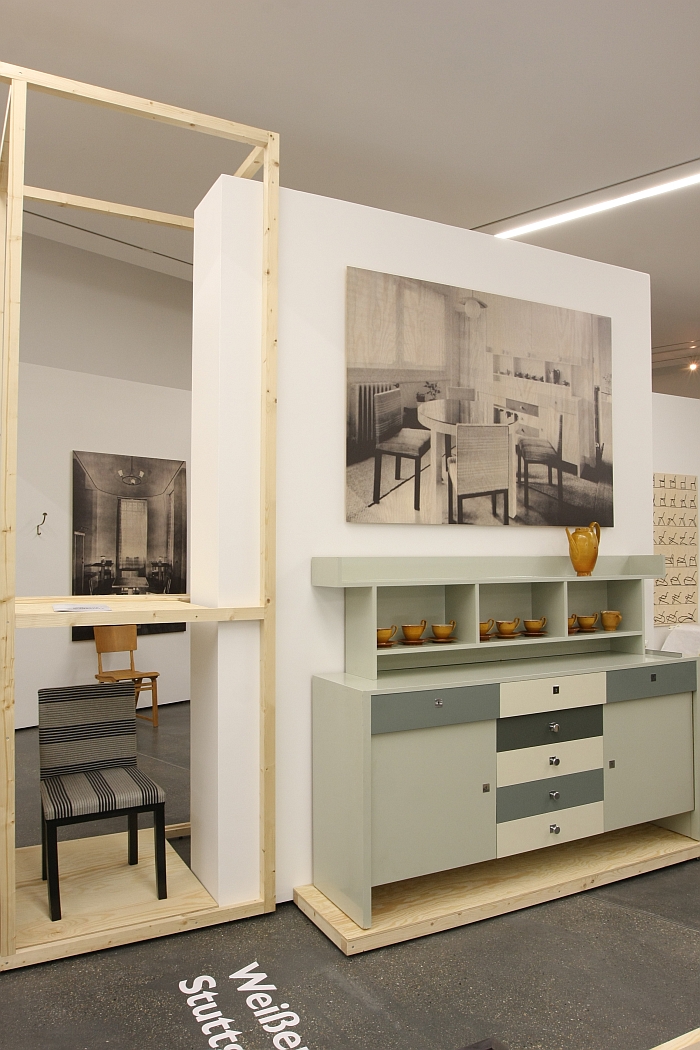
{"points": [[617, 967]]}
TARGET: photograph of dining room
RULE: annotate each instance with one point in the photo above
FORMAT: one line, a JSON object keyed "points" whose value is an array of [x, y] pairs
{"points": [[466, 407], [129, 525]]}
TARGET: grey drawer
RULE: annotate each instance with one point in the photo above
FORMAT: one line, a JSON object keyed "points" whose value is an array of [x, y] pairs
{"points": [[637, 683], [420, 709], [526, 800], [534, 730]]}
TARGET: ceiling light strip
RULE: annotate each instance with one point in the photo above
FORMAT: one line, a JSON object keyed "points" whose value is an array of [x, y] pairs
{"points": [[593, 209]]}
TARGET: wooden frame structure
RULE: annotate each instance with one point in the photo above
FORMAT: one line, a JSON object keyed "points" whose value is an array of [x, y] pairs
{"points": [[38, 612]]}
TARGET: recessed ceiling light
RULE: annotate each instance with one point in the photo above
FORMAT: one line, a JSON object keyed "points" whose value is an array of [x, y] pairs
{"points": [[593, 209], [693, 366]]}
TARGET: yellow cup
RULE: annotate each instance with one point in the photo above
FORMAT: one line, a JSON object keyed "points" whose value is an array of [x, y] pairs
{"points": [[535, 625], [486, 625], [572, 622], [508, 626], [413, 631], [385, 634], [586, 622], [444, 630], [610, 619]]}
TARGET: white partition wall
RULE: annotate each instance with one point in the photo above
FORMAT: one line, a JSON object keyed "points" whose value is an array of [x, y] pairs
{"points": [[225, 502], [319, 239]]}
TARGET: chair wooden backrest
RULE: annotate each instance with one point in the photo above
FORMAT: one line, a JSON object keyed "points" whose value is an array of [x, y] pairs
{"points": [[84, 727], [483, 458], [119, 639], [553, 429], [388, 414]]}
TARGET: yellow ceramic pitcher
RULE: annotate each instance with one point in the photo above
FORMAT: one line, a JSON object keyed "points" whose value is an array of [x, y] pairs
{"points": [[583, 548]]}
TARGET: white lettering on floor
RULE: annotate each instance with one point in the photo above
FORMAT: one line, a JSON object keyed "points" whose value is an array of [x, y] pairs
{"points": [[273, 1019], [203, 1003]]}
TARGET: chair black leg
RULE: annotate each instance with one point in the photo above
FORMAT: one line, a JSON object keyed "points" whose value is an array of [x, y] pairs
{"points": [[159, 841], [377, 476], [450, 513], [43, 847], [460, 509], [397, 471], [133, 819], [527, 485], [52, 871], [560, 490], [549, 474], [506, 515], [416, 486], [520, 463], [493, 504]]}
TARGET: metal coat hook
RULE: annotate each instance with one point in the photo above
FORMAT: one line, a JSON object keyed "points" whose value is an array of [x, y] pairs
{"points": [[38, 528]]}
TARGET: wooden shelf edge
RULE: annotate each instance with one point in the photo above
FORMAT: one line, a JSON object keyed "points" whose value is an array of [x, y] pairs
{"points": [[39, 612], [352, 939], [682, 1042], [95, 942]]}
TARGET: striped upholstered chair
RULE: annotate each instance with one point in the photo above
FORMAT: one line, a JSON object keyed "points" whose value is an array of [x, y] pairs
{"points": [[87, 758]]}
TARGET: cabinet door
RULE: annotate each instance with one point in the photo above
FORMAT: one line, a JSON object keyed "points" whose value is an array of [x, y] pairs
{"points": [[430, 809], [648, 747]]}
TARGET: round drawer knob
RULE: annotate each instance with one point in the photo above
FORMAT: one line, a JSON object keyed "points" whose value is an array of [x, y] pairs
{"points": [[554, 727], [554, 795], [553, 760], [554, 829], [438, 703]]}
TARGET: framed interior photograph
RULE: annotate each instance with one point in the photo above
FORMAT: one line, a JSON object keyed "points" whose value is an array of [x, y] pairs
{"points": [[466, 407]]}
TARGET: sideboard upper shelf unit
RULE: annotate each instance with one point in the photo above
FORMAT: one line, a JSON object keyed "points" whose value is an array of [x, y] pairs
{"points": [[398, 572]]}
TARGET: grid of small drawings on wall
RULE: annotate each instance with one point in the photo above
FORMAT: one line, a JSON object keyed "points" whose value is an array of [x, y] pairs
{"points": [[676, 537]]}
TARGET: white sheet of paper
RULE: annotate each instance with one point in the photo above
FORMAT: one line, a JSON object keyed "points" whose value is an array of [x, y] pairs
{"points": [[76, 607]]}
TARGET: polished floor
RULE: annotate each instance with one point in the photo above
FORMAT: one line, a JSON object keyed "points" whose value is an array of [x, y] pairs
{"points": [[617, 967]]}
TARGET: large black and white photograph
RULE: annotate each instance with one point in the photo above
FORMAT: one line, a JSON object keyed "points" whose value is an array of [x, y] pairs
{"points": [[129, 525], [466, 407]]}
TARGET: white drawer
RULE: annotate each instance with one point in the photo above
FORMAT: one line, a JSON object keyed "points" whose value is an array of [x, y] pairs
{"points": [[533, 763], [552, 694], [520, 836]]}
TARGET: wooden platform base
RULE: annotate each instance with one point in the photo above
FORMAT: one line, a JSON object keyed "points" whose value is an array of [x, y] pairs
{"points": [[416, 907], [105, 902], [689, 1041]]}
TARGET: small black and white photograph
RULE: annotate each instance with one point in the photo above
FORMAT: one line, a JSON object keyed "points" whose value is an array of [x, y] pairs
{"points": [[466, 407], [129, 525]]}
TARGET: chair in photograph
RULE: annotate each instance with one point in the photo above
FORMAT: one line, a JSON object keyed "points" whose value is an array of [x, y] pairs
{"points": [[123, 639], [391, 438], [88, 770], [480, 466], [541, 450]]}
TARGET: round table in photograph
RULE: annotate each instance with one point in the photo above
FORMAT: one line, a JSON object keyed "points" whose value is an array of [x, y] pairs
{"points": [[441, 418]]}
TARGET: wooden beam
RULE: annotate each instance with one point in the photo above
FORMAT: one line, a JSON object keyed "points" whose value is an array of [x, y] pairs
{"points": [[140, 107], [252, 164], [682, 1042], [268, 546], [11, 196], [123, 211]]}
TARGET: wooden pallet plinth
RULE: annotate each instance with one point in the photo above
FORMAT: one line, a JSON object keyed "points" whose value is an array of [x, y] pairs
{"points": [[414, 908], [689, 1041], [105, 902]]}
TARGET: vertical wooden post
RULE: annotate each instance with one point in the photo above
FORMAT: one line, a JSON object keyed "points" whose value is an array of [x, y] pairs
{"points": [[11, 195], [268, 518]]}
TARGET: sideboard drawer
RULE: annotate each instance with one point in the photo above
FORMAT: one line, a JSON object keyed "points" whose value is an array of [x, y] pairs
{"points": [[548, 727], [552, 694], [424, 708], [638, 683], [549, 760], [520, 836], [548, 796]]}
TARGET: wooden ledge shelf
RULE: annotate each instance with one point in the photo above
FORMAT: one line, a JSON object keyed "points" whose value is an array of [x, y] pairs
{"points": [[146, 608], [414, 908], [106, 902]]}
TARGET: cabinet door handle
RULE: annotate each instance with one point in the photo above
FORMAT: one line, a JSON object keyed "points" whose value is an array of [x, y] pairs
{"points": [[554, 727], [554, 795], [553, 760], [438, 703], [554, 829]]}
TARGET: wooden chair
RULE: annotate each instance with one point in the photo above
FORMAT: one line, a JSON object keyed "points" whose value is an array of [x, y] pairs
{"points": [[123, 639], [479, 467], [87, 765], [391, 438], [541, 450]]}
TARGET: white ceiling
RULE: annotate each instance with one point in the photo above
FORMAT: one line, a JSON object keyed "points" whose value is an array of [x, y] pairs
{"points": [[462, 111]]}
